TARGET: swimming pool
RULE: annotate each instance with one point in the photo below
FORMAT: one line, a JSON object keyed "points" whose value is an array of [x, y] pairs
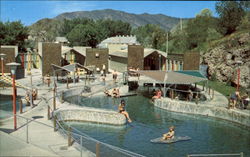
{"points": [[209, 135], [6, 106]]}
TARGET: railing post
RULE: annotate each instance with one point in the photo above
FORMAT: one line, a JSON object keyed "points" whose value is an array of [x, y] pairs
{"points": [[196, 99], [20, 106], [27, 131], [67, 82], [55, 123], [48, 112], [241, 154], [97, 149], [69, 136], [212, 93], [81, 145], [54, 98]]}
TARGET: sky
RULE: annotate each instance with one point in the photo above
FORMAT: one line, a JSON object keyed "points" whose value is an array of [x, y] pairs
{"points": [[30, 11]]}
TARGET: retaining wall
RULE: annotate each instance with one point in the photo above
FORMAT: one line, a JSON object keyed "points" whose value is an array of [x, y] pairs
{"points": [[203, 109], [72, 112]]}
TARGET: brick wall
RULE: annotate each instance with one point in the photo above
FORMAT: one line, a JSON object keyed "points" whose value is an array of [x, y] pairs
{"points": [[135, 56]]}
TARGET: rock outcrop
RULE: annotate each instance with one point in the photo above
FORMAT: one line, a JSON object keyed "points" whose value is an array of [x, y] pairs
{"points": [[222, 60]]}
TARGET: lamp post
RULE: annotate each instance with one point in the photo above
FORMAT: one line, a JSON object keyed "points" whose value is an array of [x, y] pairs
{"points": [[238, 73], [13, 67], [2, 55]]}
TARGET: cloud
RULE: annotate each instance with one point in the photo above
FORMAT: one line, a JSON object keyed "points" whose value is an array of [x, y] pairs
{"points": [[58, 7]]}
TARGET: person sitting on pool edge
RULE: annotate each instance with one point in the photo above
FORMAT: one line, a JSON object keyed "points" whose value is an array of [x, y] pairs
{"points": [[106, 92], [169, 135], [157, 95], [116, 93], [122, 110]]}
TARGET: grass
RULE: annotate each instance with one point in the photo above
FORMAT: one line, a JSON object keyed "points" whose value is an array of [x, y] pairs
{"points": [[221, 87]]}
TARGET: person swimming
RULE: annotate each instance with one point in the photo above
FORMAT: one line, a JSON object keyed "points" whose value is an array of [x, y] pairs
{"points": [[122, 110], [169, 135]]}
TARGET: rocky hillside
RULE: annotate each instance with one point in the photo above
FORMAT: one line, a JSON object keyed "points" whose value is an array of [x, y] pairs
{"points": [[222, 59]]}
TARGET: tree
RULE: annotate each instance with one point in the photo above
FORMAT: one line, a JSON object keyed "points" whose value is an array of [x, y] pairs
{"points": [[13, 33], [83, 35], [230, 13], [245, 23], [150, 35], [114, 28], [198, 28]]}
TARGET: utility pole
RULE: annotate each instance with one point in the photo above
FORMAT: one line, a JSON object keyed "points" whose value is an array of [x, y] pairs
{"points": [[181, 23], [167, 44]]}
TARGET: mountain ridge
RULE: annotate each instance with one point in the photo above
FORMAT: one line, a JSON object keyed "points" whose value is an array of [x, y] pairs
{"points": [[136, 20]]}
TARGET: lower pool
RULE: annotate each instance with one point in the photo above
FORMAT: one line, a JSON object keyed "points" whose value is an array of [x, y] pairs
{"points": [[6, 106], [209, 135]]}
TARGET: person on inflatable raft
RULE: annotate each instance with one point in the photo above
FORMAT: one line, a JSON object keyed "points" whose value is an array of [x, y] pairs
{"points": [[169, 135]]}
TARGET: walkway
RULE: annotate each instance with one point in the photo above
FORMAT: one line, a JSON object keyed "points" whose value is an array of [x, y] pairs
{"points": [[43, 141]]}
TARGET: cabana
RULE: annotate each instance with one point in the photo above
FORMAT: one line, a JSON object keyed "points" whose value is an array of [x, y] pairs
{"points": [[71, 68], [173, 77]]}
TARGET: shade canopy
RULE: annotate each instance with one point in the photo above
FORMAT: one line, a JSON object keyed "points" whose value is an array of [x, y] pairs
{"points": [[174, 77], [70, 67]]}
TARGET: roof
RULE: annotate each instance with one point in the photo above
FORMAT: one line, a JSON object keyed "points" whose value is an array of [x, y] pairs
{"points": [[62, 39], [119, 40], [79, 49], [174, 77], [147, 51]]}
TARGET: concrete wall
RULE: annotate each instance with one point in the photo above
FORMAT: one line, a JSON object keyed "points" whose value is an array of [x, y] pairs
{"points": [[51, 54], [91, 58], [87, 114], [135, 56], [116, 47], [191, 61], [203, 109]]}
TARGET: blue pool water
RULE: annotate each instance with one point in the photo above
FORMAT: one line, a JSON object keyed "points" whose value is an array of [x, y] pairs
{"points": [[209, 135], [6, 106]]}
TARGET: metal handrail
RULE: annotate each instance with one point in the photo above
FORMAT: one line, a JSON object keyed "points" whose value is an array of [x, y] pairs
{"points": [[206, 155], [129, 153]]}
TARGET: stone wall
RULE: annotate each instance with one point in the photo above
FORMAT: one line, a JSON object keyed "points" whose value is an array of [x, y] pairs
{"points": [[135, 56], [51, 54], [98, 62], [203, 109]]}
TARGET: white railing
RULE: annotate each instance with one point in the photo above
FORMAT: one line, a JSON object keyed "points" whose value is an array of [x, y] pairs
{"points": [[215, 155]]}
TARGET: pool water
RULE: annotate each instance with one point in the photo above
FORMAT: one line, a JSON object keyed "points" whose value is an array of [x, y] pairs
{"points": [[6, 106], [209, 135]]}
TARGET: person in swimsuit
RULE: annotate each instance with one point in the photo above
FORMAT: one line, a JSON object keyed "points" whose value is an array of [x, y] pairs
{"points": [[106, 92], [122, 110], [234, 98], [114, 76], [157, 95], [169, 135]]}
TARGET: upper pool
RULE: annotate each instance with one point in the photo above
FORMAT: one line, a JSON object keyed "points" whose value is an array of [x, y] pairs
{"points": [[209, 135]]}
